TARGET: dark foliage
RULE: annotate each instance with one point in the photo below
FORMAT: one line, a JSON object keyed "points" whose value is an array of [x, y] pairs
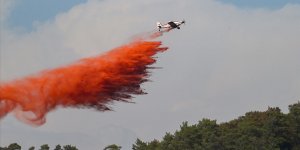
{"points": [[268, 130]]}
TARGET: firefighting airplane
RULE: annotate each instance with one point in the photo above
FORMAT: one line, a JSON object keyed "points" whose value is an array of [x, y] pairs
{"points": [[170, 25]]}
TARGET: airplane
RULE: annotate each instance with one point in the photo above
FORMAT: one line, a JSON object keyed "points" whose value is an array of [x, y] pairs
{"points": [[170, 25]]}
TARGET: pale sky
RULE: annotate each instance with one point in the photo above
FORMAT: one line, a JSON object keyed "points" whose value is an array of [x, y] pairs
{"points": [[229, 58]]}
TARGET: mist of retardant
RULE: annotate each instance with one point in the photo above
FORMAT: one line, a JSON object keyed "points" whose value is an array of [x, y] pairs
{"points": [[93, 82]]}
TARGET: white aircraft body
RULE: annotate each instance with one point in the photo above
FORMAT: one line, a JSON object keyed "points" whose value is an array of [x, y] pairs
{"points": [[170, 25]]}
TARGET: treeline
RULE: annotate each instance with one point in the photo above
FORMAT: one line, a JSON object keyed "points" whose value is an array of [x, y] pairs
{"points": [[268, 130], [16, 146]]}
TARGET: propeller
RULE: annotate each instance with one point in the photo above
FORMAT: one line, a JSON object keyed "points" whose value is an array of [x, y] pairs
{"points": [[183, 21]]}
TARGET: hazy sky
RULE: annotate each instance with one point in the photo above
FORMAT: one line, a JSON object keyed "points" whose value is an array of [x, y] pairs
{"points": [[231, 57]]}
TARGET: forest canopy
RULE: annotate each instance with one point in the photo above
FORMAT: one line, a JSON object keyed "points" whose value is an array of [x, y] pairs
{"points": [[266, 130]]}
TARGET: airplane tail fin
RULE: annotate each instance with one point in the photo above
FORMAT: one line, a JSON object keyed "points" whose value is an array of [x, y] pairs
{"points": [[159, 25]]}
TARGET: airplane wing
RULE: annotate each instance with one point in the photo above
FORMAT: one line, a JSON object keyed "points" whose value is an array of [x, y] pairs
{"points": [[172, 24]]}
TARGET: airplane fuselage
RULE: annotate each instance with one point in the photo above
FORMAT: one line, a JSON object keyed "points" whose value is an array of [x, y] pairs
{"points": [[170, 25]]}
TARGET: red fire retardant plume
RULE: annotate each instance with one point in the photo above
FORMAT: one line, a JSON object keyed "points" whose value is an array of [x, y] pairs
{"points": [[89, 83]]}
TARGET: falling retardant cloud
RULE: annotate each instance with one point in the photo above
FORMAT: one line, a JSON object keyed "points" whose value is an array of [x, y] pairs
{"points": [[91, 82]]}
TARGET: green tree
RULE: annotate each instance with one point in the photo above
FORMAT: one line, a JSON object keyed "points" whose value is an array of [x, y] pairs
{"points": [[31, 148], [14, 146], [70, 147], [139, 145], [294, 122], [154, 145], [167, 142], [112, 147], [45, 147], [58, 147]]}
